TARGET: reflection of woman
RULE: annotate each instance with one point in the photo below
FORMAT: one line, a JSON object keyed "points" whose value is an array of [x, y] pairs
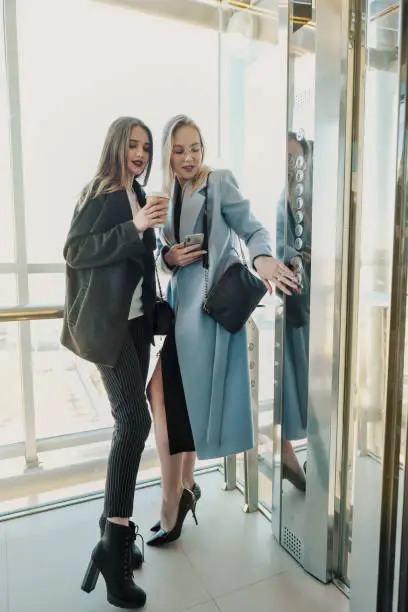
{"points": [[213, 362], [296, 352], [108, 320]]}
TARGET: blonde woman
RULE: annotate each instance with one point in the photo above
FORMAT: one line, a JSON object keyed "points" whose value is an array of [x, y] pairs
{"points": [[200, 390], [110, 294]]}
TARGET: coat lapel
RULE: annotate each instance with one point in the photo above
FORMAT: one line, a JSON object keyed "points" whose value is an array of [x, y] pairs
{"points": [[198, 209], [195, 213]]}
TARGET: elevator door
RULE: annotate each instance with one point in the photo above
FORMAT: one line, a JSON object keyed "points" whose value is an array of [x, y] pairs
{"points": [[367, 504]]}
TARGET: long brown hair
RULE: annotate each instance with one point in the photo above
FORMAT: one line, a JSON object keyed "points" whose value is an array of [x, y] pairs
{"points": [[112, 173]]}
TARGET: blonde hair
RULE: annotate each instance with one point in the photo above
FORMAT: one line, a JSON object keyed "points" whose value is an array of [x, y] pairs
{"points": [[112, 173], [169, 131]]}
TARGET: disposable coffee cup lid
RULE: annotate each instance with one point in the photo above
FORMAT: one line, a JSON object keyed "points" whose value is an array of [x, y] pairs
{"points": [[158, 194]]}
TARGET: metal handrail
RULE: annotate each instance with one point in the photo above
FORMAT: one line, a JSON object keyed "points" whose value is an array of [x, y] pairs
{"points": [[30, 313]]}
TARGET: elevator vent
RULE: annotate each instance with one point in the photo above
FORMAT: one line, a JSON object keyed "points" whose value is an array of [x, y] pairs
{"points": [[293, 544]]}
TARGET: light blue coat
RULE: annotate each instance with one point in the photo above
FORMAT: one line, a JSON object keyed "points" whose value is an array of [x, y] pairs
{"points": [[296, 354], [213, 362]]}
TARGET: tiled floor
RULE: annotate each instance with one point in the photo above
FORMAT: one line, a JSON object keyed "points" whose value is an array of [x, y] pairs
{"points": [[230, 563]]}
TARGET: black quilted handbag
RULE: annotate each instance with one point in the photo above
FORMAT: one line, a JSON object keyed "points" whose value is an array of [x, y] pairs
{"points": [[232, 300]]}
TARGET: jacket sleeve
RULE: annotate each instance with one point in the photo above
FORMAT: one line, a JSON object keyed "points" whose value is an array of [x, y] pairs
{"points": [[163, 247], [86, 247], [236, 211]]}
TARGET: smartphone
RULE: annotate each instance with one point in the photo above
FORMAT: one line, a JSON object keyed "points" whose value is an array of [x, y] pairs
{"points": [[192, 239]]}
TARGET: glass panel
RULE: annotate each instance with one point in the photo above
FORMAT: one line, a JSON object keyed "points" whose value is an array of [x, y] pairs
{"points": [[379, 175], [11, 424], [253, 120], [46, 289], [6, 200], [379, 172], [67, 145], [68, 393]]}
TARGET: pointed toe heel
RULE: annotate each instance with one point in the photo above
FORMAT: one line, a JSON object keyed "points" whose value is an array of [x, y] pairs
{"points": [[91, 577], [187, 503]]}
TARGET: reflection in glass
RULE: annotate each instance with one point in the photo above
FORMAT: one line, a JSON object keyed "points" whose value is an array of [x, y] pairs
{"points": [[295, 252], [253, 145]]}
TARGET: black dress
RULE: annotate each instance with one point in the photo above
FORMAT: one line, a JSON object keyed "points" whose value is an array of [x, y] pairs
{"points": [[178, 422]]}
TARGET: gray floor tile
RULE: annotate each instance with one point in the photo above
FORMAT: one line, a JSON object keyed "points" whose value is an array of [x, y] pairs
{"points": [[289, 591], [207, 607], [229, 551]]}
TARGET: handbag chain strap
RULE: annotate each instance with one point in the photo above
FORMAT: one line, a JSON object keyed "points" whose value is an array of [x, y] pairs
{"points": [[206, 257]]}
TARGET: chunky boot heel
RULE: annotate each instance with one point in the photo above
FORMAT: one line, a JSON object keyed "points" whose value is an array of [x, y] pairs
{"points": [[112, 557], [91, 577]]}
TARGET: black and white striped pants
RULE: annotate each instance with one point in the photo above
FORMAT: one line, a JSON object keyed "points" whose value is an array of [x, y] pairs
{"points": [[125, 385]]}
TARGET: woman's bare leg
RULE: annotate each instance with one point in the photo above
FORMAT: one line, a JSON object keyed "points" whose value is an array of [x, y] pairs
{"points": [[289, 457], [171, 465], [189, 461]]}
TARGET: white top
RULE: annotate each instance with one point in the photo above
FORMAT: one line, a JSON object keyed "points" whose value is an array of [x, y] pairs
{"points": [[136, 306]]}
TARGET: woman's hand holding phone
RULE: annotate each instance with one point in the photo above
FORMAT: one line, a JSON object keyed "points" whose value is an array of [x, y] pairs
{"points": [[180, 255]]}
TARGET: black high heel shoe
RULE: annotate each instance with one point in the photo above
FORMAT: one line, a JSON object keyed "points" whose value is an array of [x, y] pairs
{"points": [[187, 503], [196, 491], [111, 557]]}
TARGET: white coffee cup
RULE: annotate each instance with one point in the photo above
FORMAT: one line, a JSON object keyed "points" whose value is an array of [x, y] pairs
{"points": [[162, 195]]}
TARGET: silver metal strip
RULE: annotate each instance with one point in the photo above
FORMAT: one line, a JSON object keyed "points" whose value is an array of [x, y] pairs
{"points": [[72, 501], [46, 268], [326, 284], [230, 473], [31, 313], [396, 351], [12, 71], [350, 287], [283, 37], [8, 268], [251, 456], [80, 438]]}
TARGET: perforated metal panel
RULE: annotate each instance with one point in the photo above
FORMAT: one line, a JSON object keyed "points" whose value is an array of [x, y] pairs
{"points": [[293, 544]]}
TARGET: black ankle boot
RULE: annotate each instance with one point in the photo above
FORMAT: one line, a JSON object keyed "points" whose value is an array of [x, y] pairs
{"points": [[112, 558], [196, 491], [137, 555]]}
